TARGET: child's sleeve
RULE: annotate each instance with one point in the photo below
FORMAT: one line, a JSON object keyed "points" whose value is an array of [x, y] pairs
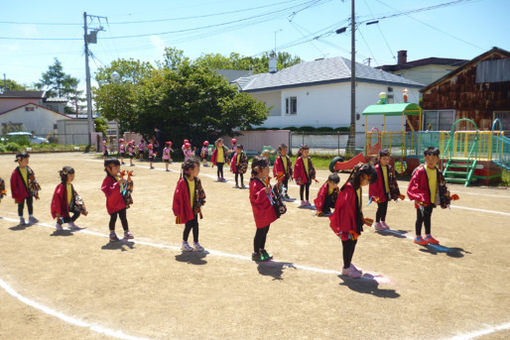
{"points": [[176, 205], [413, 190], [109, 188]]}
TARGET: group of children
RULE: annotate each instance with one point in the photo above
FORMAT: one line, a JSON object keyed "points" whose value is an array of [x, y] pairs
{"points": [[427, 188]]}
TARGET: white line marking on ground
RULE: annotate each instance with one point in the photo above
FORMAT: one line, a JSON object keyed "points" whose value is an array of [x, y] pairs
{"points": [[66, 318], [482, 332], [379, 278]]}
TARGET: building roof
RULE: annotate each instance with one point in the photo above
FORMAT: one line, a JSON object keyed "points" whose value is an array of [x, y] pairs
{"points": [[423, 62], [319, 72], [23, 94], [466, 65], [396, 109], [232, 75], [56, 100], [26, 104]]}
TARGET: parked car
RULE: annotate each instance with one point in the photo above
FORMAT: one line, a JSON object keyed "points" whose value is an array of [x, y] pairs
{"points": [[33, 139]]}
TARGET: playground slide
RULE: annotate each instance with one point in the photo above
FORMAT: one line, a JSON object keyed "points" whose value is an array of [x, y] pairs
{"points": [[337, 164]]}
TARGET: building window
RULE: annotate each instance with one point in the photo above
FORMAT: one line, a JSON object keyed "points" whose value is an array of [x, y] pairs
{"points": [[29, 108], [291, 105], [440, 120]]}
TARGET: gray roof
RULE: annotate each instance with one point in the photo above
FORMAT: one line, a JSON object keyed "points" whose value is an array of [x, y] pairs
{"points": [[319, 72], [23, 94], [232, 75]]}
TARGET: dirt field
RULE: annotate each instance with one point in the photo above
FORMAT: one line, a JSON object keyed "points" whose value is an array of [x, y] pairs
{"points": [[148, 289]]}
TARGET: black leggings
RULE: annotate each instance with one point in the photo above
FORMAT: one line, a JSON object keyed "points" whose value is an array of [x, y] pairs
{"points": [[348, 251], [259, 242], [382, 208], [30, 206], [328, 205], [286, 183], [193, 224], [423, 218], [123, 220], [242, 178], [220, 169], [302, 189], [69, 219]]}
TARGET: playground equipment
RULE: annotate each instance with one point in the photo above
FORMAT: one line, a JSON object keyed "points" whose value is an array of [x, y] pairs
{"points": [[500, 146]]}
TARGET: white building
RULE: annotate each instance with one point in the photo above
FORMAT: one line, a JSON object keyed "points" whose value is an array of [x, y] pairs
{"points": [[318, 94]]}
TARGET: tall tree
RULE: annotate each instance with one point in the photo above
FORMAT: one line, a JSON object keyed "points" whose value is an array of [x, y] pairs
{"points": [[57, 83], [235, 61], [12, 85]]}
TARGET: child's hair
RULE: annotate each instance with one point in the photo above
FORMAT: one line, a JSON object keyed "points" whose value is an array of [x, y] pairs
{"points": [[302, 148], [431, 150], [384, 153], [282, 146], [21, 155], [110, 161], [67, 170], [240, 146], [334, 178], [217, 141], [257, 164], [360, 170], [188, 164]]}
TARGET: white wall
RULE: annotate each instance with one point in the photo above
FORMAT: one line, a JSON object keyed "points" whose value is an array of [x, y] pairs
{"points": [[330, 105], [426, 74], [272, 99], [41, 121]]}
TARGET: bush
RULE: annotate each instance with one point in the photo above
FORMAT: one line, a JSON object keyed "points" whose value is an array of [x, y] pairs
{"points": [[11, 146], [19, 140], [306, 128], [260, 129], [291, 128], [274, 128], [325, 129], [343, 129]]}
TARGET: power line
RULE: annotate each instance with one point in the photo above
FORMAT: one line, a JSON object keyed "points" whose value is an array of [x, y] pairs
{"points": [[382, 34], [368, 46]]}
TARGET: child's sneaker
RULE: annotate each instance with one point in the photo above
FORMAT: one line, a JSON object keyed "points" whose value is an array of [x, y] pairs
{"points": [[353, 267], [113, 237], [378, 226], [197, 247], [308, 204], [58, 227], [22, 221], [431, 240], [384, 225], [32, 220], [419, 240], [265, 256], [351, 273], [256, 257], [185, 247], [303, 204], [73, 226], [128, 235]]}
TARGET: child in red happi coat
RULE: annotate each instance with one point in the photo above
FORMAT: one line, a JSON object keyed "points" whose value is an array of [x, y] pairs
{"points": [[24, 187], [304, 174], [238, 165], [2, 189], [189, 197], [428, 189], [384, 189], [220, 157], [282, 170], [115, 203], [66, 200], [327, 196], [347, 220], [122, 150], [263, 211]]}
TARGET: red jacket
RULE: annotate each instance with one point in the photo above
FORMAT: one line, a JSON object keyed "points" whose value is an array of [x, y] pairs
{"points": [[59, 205], [19, 188], [300, 173], [181, 206], [215, 155], [321, 197], [418, 189], [278, 167], [243, 161], [377, 189], [114, 200], [263, 211], [344, 219]]}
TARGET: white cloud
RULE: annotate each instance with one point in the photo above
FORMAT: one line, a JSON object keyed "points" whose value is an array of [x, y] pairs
{"points": [[158, 43]]}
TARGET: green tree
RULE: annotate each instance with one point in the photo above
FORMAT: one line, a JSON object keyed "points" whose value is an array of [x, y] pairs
{"points": [[235, 61], [57, 83], [12, 86]]}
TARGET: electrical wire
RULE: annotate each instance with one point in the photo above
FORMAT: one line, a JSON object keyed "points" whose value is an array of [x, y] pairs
{"points": [[382, 34], [366, 43]]}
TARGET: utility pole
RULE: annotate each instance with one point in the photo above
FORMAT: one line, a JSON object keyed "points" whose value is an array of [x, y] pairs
{"points": [[89, 39], [351, 143], [5, 82]]}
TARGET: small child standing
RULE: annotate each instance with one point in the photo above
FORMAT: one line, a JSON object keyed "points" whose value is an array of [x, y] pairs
{"points": [[115, 204], [141, 149], [328, 194], [304, 173], [263, 211], [189, 197], [428, 189], [238, 165], [188, 152], [66, 200], [151, 156], [204, 153], [2, 189], [347, 220], [282, 170], [167, 157], [122, 150], [24, 187], [220, 157], [131, 152], [105, 149], [384, 189]]}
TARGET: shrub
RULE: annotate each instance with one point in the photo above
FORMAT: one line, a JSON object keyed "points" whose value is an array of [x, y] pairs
{"points": [[325, 129], [343, 129], [306, 128], [291, 128], [11, 146]]}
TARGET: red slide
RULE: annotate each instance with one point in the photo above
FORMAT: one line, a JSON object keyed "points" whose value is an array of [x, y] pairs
{"points": [[347, 165]]}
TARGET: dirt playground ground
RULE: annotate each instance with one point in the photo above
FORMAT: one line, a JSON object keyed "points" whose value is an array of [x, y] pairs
{"points": [[78, 285]]}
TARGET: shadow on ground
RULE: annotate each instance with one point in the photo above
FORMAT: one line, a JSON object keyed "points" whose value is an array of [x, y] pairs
{"points": [[273, 268], [192, 257], [367, 284], [393, 232], [118, 245], [435, 249]]}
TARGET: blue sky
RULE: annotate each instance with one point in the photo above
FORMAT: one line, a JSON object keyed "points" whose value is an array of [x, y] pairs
{"points": [[463, 30]]}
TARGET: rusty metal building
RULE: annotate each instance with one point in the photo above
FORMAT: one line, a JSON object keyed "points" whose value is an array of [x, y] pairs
{"points": [[478, 90]]}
